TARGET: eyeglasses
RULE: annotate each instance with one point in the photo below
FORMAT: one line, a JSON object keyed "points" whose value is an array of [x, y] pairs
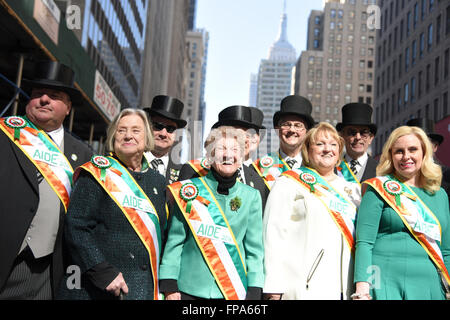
{"points": [[365, 133], [157, 126], [298, 126]]}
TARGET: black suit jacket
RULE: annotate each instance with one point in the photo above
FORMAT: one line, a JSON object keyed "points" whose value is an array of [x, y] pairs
{"points": [[19, 200], [370, 170], [252, 178]]}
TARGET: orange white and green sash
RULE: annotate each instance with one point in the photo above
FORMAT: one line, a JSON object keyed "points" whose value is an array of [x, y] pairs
{"points": [[342, 210], [270, 167], [417, 217], [43, 153], [345, 171], [201, 166], [213, 235], [133, 202]]}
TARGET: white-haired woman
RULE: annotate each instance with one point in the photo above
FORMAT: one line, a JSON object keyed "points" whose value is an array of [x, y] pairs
{"points": [[403, 226], [214, 245], [113, 230]]}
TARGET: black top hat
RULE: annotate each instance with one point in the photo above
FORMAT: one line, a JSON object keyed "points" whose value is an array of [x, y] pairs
{"points": [[357, 114], [53, 75], [426, 125], [167, 107], [236, 116], [295, 105], [257, 117]]}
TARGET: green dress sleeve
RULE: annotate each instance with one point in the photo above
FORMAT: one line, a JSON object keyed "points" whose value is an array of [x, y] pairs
{"points": [[171, 260], [367, 226], [253, 244]]}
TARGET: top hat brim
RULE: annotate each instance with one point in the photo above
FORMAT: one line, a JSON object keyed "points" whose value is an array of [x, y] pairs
{"points": [[236, 123], [373, 127], [74, 93], [163, 113], [309, 120], [437, 137]]}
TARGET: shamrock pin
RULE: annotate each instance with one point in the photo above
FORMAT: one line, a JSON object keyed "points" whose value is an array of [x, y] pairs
{"points": [[235, 203]]}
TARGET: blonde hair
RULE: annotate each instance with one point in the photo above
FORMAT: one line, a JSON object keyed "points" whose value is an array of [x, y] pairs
{"points": [[311, 138], [225, 132], [430, 172], [149, 143]]}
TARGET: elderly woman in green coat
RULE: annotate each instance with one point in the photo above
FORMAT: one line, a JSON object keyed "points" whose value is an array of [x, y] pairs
{"points": [[114, 224], [214, 245]]}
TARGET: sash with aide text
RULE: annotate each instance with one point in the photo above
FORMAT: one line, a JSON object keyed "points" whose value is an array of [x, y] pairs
{"points": [[342, 210], [270, 167], [201, 166], [213, 234], [417, 217], [43, 153], [123, 189], [345, 171]]}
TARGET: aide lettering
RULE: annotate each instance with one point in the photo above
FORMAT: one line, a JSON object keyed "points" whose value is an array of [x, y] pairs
{"points": [[48, 157]]}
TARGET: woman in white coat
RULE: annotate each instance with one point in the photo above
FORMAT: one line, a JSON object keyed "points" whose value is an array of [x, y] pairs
{"points": [[309, 225]]}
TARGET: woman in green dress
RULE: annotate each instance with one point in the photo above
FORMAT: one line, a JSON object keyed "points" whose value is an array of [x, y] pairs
{"points": [[403, 227], [214, 245]]}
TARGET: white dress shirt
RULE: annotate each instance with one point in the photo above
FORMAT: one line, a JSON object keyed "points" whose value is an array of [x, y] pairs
{"points": [[360, 166], [161, 168]]}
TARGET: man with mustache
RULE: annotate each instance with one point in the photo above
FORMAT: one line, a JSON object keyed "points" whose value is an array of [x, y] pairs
{"points": [[36, 167], [358, 132], [292, 123], [165, 118]]}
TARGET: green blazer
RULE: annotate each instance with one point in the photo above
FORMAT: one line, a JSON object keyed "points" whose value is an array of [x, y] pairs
{"points": [[182, 259]]}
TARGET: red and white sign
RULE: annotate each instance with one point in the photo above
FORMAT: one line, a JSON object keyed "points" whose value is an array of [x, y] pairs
{"points": [[105, 98]]}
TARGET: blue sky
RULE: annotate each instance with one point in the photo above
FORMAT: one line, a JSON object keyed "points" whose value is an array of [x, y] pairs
{"points": [[240, 35]]}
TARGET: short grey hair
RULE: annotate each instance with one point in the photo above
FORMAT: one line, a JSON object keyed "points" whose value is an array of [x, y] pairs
{"points": [[149, 142], [227, 132]]}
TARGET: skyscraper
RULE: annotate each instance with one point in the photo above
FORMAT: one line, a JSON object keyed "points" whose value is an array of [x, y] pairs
{"points": [[338, 65], [274, 76], [413, 67]]}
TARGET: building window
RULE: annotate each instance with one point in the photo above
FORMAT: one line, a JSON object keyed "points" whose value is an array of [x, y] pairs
{"points": [[406, 59], [422, 45], [446, 63], [430, 36], [436, 71], [406, 93], [414, 52], [427, 78], [445, 104], [413, 89], [438, 29]]}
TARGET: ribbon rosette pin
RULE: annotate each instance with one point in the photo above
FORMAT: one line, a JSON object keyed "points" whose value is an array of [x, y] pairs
{"points": [[394, 188], [102, 163], [309, 179], [266, 163], [188, 193], [205, 164], [16, 123]]}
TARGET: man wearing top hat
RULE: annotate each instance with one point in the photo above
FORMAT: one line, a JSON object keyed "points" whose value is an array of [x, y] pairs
{"points": [[436, 139], [165, 117], [358, 132], [36, 166], [248, 119], [292, 123]]}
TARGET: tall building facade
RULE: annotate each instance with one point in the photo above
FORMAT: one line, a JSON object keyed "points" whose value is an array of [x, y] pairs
{"points": [[413, 66], [165, 51], [338, 66], [253, 90], [274, 79], [113, 34], [195, 73]]}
